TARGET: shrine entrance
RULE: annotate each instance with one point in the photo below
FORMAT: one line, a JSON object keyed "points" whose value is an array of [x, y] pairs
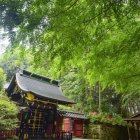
{"points": [[37, 122]]}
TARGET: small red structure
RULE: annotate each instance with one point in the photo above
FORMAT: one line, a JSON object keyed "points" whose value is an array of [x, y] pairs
{"points": [[71, 121]]}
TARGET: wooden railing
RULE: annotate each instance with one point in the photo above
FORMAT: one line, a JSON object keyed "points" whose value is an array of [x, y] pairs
{"points": [[59, 135], [7, 134], [63, 135]]}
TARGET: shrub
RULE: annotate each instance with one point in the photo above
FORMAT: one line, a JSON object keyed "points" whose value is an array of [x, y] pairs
{"points": [[8, 113], [104, 118]]}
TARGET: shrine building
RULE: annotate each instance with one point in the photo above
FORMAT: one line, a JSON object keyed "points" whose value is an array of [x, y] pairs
{"points": [[38, 98]]}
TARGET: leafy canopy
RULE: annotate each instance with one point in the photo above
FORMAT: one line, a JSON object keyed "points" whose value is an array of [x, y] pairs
{"points": [[100, 38]]}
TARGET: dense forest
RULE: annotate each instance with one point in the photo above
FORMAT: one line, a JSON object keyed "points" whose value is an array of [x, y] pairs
{"points": [[91, 46]]}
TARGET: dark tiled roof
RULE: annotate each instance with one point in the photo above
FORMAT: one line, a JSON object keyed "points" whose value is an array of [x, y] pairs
{"points": [[40, 77], [41, 86], [136, 115], [70, 114]]}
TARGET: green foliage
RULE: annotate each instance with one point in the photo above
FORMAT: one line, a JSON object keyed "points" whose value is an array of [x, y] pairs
{"points": [[92, 131], [98, 39], [10, 16], [86, 96], [8, 113], [2, 78], [108, 119], [12, 59], [13, 138]]}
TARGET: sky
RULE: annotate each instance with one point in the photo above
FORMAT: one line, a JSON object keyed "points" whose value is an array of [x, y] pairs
{"points": [[4, 41]]}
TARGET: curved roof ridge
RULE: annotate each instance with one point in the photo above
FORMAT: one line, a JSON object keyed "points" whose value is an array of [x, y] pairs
{"points": [[40, 77], [40, 88], [71, 112]]}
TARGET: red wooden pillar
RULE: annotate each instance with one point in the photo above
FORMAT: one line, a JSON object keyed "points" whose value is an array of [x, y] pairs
{"points": [[67, 124]]}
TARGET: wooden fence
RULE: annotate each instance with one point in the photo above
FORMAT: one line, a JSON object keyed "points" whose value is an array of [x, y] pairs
{"points": [[7, 134], [63, 135]]}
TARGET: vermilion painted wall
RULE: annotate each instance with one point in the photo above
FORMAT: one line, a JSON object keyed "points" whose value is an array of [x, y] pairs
{"points": [[75, 126], [78, 128]]}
